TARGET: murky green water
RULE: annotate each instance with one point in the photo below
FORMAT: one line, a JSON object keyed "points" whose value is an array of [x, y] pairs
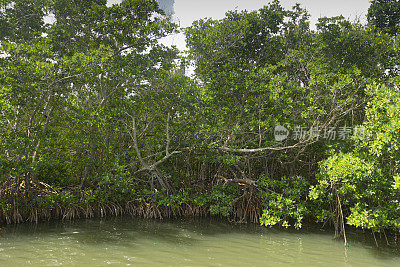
{"points": [[132, 242]]}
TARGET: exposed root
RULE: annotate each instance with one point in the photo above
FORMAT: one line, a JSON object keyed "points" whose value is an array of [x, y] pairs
{"points": [[247, 208], [20, 203]]}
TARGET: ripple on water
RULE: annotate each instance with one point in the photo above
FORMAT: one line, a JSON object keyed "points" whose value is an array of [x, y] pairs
{"points": [[207, 243]]}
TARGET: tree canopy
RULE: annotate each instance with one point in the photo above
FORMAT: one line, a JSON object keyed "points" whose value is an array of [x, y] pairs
{"points": [[385, 15], [95, 112]]}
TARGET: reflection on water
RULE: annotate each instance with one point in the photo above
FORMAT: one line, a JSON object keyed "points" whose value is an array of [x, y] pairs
{"points": [[129, 242]]}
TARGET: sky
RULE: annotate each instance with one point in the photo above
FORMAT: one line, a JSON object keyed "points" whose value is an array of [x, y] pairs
{"points": [[186, 11]]}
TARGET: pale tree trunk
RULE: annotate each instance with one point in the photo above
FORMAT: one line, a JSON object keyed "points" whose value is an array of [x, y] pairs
{"points": [[152, 168]]}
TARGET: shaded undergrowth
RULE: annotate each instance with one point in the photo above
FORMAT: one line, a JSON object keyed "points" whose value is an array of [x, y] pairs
{"points": [[34, 202]]}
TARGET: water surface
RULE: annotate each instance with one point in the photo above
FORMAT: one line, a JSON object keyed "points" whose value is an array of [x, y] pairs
{"points": [[133, 242]]}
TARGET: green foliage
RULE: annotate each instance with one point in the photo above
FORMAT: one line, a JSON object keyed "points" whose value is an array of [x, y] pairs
{"points": [[22, 20], [115, 186], [4, 169], [285, 200], [222, 198], [353, 178], [366, 180], [55, 172], [385, 15], [174, 201]]}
